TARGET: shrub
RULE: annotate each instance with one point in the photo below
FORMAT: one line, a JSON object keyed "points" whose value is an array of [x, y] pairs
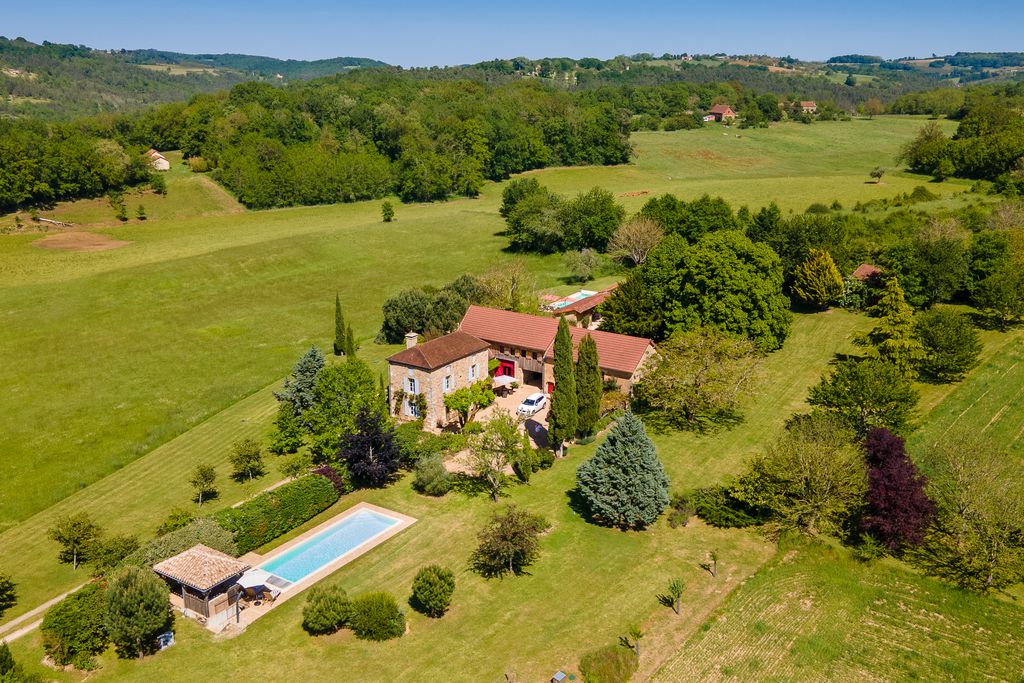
{"points": [[717, 507], [609, 664], [137, 611], [376, 616], [508, 543], [74, 629], [203, 530], [543, 458], [327, 610], [951, 344], [8, 594], [680, 510], [110, 552], [431, 478], [432, 590], [337, 475], [177, 518], [268, 515]]}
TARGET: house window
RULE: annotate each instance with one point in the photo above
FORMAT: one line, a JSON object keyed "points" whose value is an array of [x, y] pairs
{"points": [[472, 371], [412, 385], [501, 349], [411, 409], [522, 353], [447, 383], [533, 355]]}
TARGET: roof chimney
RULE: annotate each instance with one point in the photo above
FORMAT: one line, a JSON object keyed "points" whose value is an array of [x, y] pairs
{"points": [[410, 339]]}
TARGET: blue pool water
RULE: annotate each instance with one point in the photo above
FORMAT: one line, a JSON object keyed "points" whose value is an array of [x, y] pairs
{"points": [[328, 545]]}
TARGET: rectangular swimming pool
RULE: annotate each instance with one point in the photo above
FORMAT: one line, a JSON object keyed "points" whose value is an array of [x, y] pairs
{"points": [[309, 556]]}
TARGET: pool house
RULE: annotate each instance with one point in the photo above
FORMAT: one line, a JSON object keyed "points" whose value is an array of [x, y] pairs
{"points": [[204, 584]]}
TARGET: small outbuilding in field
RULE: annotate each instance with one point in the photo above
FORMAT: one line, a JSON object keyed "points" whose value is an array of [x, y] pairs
{"points": [[808, 107], [722, 112], [157, 161]]}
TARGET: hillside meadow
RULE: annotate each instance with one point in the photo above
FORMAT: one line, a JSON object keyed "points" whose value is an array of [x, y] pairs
{"points": [[126, 367], [111, 353]]}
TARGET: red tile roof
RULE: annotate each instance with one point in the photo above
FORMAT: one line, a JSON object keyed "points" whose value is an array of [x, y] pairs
{"points": [[615, 352], [439, 352], [721, 109], [866, 271], [807, 103], [589, 303]]}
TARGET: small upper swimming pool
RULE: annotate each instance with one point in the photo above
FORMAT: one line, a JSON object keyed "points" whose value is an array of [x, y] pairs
{"points": [[327, 546]]}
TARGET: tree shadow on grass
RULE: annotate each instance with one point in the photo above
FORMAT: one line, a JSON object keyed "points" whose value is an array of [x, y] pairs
{"points": [[208, 497], [469, 485]]}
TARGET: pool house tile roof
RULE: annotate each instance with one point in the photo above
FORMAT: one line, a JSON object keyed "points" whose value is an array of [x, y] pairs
{"points": [[201, 567]]}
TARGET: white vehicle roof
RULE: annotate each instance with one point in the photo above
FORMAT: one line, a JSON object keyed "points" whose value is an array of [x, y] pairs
{"points": [[535, 396]]}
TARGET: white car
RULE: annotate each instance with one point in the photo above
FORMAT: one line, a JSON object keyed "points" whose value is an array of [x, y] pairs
{"points": [[532, 404]]}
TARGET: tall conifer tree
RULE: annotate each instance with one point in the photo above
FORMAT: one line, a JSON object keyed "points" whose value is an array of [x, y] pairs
{"points": [[588, 386], [624, 483], [894, 339], [350, 342], [339, 327], [564, 414]]}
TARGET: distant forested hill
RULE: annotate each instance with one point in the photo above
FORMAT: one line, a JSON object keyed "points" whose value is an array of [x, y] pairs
{"points": [[253, 66], [62, 81]]}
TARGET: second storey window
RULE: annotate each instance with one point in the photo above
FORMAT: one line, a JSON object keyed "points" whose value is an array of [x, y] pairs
{"points": [[412, 385], [472, 371], [447, 382]]}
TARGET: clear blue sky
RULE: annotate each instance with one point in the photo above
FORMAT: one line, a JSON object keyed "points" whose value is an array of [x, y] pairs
{"points": [[454, 32]]}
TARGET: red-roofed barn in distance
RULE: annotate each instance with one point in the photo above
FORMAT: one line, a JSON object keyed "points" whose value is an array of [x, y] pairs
{"points": [[722, 112], [522, 346]]}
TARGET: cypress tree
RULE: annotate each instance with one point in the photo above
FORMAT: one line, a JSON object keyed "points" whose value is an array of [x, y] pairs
{"points": [[589, 385], [564, 411], [339, 327], [817, 280], [624, 483], [894, 339]]}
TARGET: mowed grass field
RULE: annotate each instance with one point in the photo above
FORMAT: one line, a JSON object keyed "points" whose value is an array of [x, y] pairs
{"points": [[109, 354], [815, 614], [588, 586]]}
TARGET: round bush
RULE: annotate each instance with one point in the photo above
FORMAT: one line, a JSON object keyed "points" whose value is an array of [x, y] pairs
{"points": [[432, 590], [431, 478], [376, 616], [327, 610]]}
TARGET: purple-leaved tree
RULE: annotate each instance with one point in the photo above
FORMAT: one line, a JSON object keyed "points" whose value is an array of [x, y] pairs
{"points": [[899, 510]]}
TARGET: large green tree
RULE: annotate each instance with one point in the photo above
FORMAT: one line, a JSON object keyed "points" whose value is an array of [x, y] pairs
{"points": [[894, 340], [8, 594], [950, 342], [977, 535], [563, 417], [867, 394], [812, 479], [699, 379], [589, 385], [509, 542], [724, 280], [497, 447], [624, 484], [588, 220], [1001, 294], [341, 391], [137, 610]]}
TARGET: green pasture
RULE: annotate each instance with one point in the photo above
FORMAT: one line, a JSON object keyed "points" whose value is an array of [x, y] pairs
{"points": [[815, 614]]}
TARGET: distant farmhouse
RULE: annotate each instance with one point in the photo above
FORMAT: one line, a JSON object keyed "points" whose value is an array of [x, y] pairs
{"points": [[722, 112], [518, 345], [158, 161], [581, 311], [809, 107]]}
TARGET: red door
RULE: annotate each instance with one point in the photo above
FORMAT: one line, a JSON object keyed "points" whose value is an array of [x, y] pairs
{"points": [[506, 368], [551, 387]]}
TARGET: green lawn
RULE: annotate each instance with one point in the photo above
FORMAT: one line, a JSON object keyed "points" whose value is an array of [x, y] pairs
{"points": [[109, 354], [591, 583], [814, 614], [990, 401]]}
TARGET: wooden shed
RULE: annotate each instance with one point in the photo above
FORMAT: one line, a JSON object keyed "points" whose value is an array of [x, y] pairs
{"points": [[206, 581]]}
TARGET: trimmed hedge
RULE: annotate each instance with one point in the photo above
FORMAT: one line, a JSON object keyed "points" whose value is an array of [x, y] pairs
{"points": [[203, 530], [74, 629], [271, 514]]}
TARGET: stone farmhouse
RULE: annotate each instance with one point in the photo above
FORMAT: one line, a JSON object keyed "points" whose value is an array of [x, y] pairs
{"points": [[496, 343], [157, 161]]}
